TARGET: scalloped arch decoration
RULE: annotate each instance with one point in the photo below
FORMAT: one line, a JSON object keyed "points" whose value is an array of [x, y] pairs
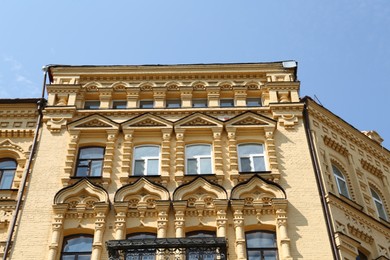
{"points": [[120, 86], [257, 187], [8, 148], [92, 86], [82, 187], [199, 183], [139, 186]]}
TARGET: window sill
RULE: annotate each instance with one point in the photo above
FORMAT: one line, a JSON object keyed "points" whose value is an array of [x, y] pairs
{"points": [[244, 176]]}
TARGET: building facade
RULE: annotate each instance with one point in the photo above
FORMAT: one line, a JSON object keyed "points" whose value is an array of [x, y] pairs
{"points": [[211, 161]]}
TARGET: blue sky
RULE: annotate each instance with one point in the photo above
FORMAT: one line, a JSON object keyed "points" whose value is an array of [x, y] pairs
{"points": [[342, 46]]}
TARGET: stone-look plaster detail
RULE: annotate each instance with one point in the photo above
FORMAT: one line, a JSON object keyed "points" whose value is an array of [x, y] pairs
{"points": [[109, 156], [217, 148], [239, 223], [166, 155], [352, 136], [371, 168], [180, 156], [55, 125], [335, 146], [232, 148], [179, 208], [360, 234], [127, 153], [287, 115], [86, 203], [71, 156]]}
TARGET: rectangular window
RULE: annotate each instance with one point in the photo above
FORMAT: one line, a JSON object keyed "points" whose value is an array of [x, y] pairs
{"points": [[173, 103], [253, 102], [251, 157], [92, 104], [119, 104], [146, 160], [261, 245], [226, 103], [90, 162], [199, 103], [146, 103], [198, 159]]}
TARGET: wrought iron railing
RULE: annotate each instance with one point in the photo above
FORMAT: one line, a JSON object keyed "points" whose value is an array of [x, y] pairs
{"points": [[199, 248]]}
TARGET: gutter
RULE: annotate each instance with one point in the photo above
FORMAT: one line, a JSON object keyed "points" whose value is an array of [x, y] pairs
{"points": [[41, 104], [320, 183]]}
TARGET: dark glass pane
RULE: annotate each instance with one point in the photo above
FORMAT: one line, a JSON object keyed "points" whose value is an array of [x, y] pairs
{"points": [[119, 104], [245, 164], [92, 104], [249, 149], [253, 102], [68, 257], [201, 234], [226, 103], [152, 167], [141, 235], [205, 166], [84, 163], [84, 257], [270, 255], [96, 168], [260, 240], [146, 104], [199, 103], [254, 255], [259, 163], [343, 187], [173, 103], [91, 153], [6, 179], [146, 151], [196, 150], [82, 171], [7, 164], [192, 167], [78, 244], [139, 167]]}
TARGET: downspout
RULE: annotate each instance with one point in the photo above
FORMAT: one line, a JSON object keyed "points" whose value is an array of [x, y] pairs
{"points": [[320, 183], [41, 105]]}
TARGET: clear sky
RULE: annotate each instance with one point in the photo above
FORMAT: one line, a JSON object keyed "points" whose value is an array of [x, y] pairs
{"points": [[342, 46]]}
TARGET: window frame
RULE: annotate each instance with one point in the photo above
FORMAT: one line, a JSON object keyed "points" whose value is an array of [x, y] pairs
{"points": [[146, 102], [78, 166], [198, 159], [119, 103], [76, 254], [379, 201], [4, 170], [92, 107], [260, 248], [248, 100], [340, 177], [251, 156], [173, 101], [197, 101], [222, 104], [146, 160]]}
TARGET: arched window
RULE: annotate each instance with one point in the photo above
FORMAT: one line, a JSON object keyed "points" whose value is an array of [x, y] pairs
{"points": [[194, 254], [251, 157], [141, 254], [7, 173], [261, 245], [341, 182], [146, 160], [198, 159], [90, 162], [380, 208], [77, 247]]}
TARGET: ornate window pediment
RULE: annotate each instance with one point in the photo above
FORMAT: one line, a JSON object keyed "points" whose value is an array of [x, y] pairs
{"points": [[93, 122], [198, 120], [199, 188], [146, 121], [142, 186], [251, 120]]}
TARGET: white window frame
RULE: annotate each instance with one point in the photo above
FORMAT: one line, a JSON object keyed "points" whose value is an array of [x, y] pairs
{"points": [[379, 201], [339, 179], [146, 160], [198, 157], [250, 156]]}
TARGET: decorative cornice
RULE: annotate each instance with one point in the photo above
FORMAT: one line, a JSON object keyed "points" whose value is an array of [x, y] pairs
{"points": [[335, 146], [371, 168]]}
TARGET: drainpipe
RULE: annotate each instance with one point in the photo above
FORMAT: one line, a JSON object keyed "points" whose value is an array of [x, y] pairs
{"points": [[320, 183], [41, 105]]}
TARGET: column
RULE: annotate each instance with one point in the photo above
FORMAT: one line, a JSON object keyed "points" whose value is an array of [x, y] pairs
{"points": [[100, 225], [166, 154], [238, 219], [180, 207], [120, 220], [132, 98], [179, 171], [105, 98], [232, 148], [213, 96], [221, 207], [186, 97], [162, 208], [109, 156], [57, 226], [218, 159], [281, 219], [159, 97], [127, 152]]}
